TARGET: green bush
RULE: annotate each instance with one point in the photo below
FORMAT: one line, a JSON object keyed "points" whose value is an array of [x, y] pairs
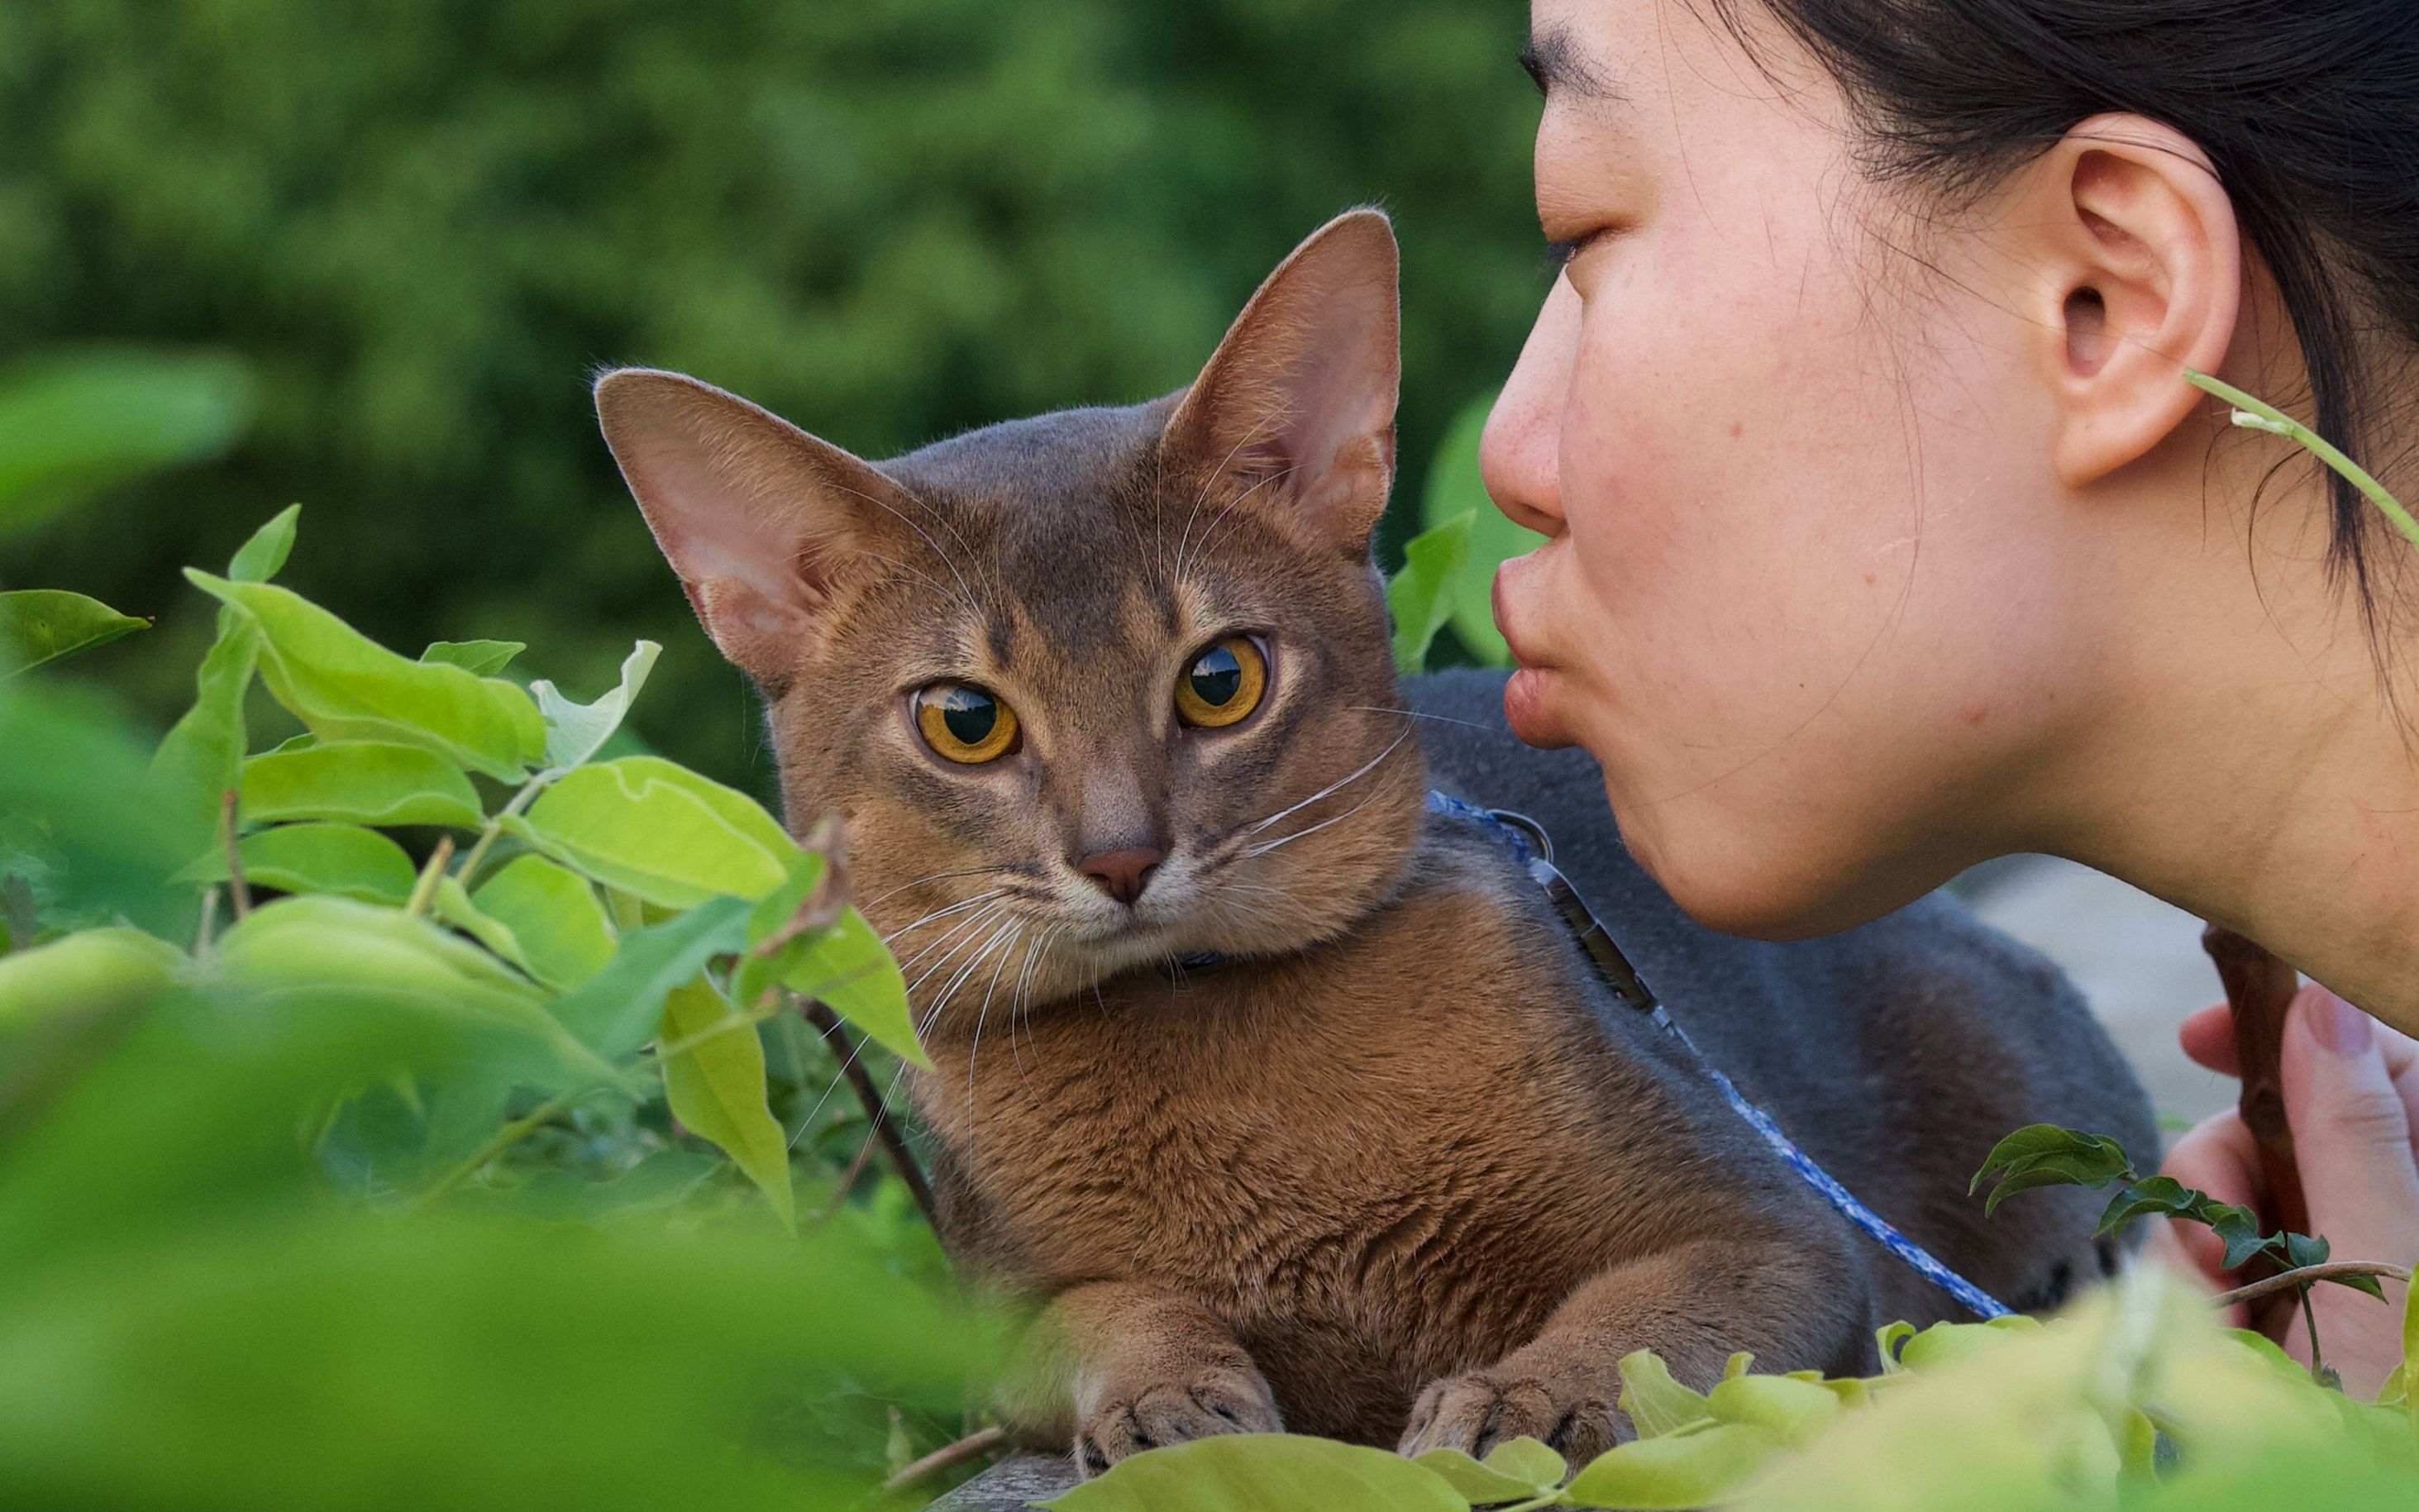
{"points": [[888, 219]]}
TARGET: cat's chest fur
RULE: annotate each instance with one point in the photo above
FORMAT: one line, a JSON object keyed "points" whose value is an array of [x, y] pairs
{"points": [[1380, 1160]]}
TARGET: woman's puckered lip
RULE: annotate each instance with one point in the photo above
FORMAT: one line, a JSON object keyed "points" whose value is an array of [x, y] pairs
{"points": [[1499, 596]]}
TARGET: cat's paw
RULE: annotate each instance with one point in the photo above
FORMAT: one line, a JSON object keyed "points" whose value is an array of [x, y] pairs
{"points": [[1574, 1414], [1221, 1397]]}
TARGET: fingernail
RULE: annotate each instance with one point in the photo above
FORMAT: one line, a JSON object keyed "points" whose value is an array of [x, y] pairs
{"points": [[2338, 1024]]}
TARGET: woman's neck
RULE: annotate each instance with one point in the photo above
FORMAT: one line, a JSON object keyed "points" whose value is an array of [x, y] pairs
{"points": [[2244, 762]]}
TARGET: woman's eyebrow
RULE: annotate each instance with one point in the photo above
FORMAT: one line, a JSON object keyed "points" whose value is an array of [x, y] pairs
{"points": [[1555, 61]]}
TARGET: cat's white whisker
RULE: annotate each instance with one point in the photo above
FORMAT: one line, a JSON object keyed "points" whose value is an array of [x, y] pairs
{"points": [[1202, 497], [931, 876], [1210, 534], [1363, 770], [944, 913], [1263, 850], [973, 962], [972, 921], [1415, 714]]}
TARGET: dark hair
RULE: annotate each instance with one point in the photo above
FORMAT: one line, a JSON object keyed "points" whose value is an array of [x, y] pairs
{"points": [[2308, 109]]}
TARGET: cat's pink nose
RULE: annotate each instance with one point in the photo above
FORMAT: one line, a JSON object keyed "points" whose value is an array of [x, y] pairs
{"points": [[1122, 875]]}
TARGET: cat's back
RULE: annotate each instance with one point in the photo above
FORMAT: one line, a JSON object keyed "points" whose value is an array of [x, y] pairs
{"points": [[1897, 1053]]}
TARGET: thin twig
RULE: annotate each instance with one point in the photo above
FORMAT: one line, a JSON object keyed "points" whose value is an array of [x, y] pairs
{"points": [[425, 889], [877, 1111], [857, 1165], [511, 1134], [2284, 1280], [972, 1446], [238, 893]]}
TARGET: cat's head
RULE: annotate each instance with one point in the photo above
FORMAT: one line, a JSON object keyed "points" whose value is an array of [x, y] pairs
{"points": [[1092, 690]]}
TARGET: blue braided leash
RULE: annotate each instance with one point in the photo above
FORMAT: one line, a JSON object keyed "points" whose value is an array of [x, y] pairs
{"points": [[1530, 845]]}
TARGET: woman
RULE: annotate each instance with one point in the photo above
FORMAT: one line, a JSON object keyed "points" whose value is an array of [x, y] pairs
{"points": [[1886, 534]]}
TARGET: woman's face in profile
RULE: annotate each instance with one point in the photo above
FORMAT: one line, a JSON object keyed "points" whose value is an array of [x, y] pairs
{"points": [[1801, 594]]}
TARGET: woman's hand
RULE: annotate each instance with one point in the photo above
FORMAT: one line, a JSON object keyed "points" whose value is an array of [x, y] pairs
{"points": [[2351, 1093]]}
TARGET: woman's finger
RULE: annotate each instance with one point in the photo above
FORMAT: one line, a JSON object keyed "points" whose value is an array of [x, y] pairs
{"points": [[2207, 1038], [2352, 1136]]}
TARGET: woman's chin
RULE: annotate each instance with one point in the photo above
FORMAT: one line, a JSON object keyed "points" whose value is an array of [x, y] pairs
{"points": [[1528, 708]]}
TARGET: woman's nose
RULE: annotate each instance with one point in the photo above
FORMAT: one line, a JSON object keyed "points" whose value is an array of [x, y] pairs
{"points": [[1519, 457]]}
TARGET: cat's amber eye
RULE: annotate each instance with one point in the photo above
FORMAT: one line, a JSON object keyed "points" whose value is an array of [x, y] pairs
{"points": [[1224, 684], [963, 723]]}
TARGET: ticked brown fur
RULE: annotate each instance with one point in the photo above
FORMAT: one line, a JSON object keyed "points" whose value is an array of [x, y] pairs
{"points": [[1395, 1169]]}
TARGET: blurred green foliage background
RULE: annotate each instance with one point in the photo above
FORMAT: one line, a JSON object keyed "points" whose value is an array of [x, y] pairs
{"points": [[422, 223]]}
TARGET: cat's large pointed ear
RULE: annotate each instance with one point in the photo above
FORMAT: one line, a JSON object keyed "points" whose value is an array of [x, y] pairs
{"points": [[759, 519], [1296, 406]]}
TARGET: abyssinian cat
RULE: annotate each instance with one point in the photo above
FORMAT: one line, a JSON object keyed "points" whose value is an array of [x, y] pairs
{"points": [[1108, 690]]}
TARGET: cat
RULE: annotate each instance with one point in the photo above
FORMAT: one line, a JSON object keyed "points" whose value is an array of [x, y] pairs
{"points": [[1281, 1102]]}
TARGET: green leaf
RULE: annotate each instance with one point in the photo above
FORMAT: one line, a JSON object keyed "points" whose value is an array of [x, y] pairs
{"points": [[73, 422], [575, 731], [91, 969], [201, 758], [451, 903], [2305, 1249], [2151, 1194], [319, 949], [344, 859], [2043, 1154], [2368, 1283], [1887, 1340], [1946, 1343], [264, 555], [659, 832], [42, 624], [617, 1010], [1529, 1460], [1262, 1473], [1455, 488], [716, 1086], [1420, 595], [359, 781], [481, 659], [843, 964], [1657, 1403], [345, 686], [1677, 1471], [2239, 1229], [1796, 1412], [1477, 1483], [554, 917], [2402, 1387]]}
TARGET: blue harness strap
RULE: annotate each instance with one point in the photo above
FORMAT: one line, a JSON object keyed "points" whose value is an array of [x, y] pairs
{"points": [[1530, 843]]}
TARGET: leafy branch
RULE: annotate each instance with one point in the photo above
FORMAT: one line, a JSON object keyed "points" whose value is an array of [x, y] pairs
{"points": [[2043, 1154]]}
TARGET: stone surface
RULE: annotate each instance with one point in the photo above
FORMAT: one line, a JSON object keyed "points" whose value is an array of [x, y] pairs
{"points": [[1012, 1485], [2137, 962]]}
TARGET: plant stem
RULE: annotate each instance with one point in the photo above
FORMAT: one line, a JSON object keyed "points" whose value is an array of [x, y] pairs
{"points": [[877, 1108], [426, 889], [2310, 1321], [2253, 414], [2285, 1280], [521, 800], [239, 894], [981, 1441], [507, 1138]]}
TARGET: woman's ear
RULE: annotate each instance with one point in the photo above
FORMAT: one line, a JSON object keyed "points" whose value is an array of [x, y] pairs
{"points": [[2143, 277]]}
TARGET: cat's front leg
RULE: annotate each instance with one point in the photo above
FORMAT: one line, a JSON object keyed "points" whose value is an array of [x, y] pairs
{"points": [[1795, 1306], [1121, 1367]]}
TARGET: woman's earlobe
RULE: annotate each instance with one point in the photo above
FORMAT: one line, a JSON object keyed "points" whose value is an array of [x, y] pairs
{"points": [[2140, 243]]}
